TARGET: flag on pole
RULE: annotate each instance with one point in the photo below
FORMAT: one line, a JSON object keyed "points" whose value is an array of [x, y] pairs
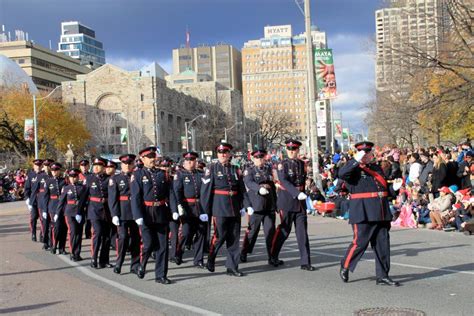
{"points": [[188, 38]]}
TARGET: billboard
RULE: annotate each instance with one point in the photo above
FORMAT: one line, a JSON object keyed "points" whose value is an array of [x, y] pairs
{"points": [[29, 132], [325, 75]]}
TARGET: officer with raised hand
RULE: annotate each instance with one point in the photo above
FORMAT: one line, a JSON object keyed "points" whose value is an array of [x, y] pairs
{"points": [[122, 217], [187, 189], [150, 198], [261, 192], [369, 213], [224, 197], [291, 202]]}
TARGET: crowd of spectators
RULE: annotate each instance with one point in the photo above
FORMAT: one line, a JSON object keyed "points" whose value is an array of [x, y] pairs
{"points": [[12, 185]]}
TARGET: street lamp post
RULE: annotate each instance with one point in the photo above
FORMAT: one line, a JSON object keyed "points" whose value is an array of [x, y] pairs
{"points": [[35, 117], [186, 128], [228, 129]]}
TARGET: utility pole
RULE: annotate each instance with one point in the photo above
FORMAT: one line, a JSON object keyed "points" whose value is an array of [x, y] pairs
{"points": [[313, 130]]}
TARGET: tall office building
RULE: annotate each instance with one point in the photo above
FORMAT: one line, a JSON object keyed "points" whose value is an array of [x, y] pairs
{"points": [[78, 41], [274, 74], [407, 24], [221, 62]]}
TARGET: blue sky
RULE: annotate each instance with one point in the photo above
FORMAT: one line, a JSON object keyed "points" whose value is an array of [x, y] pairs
{"points": [[137, 32]]}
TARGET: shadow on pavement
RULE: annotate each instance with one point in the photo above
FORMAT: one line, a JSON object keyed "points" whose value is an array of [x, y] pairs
{"points": [[27, 307]]}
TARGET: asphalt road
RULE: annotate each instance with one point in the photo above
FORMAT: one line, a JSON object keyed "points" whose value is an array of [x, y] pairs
{"points": [[436, 270]]}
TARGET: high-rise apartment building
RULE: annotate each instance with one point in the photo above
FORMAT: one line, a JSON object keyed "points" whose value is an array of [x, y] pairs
{"points": [[221, 62], [78, 41], [274, 74], [407, 24]]}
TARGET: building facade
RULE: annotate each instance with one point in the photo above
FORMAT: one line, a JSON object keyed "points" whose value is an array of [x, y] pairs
{"points": [[46, 68], [78, 41], [274, 74], [114, 102], [223, 63]]}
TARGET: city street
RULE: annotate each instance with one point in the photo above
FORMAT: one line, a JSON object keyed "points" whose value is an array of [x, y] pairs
{"points": [[436, 270]]}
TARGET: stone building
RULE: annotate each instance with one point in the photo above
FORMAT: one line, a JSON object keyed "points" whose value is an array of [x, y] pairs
{"points": [[113, 101]]}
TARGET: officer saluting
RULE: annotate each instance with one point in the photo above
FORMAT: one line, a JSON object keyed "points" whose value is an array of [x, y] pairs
{"points": [[98, 213], [52, 191], [262, 196], [122, 217], [72, 205], [150, 197], [187, 189], [369, 213], [292, 203], [222, 196]]}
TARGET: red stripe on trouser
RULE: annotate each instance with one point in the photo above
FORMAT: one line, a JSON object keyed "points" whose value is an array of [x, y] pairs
{"points": [[117, 244], [92, 242], [70, 234], [52, 230], [141, 244], [214, 237], [353, 248], [40, 213], [277, 232]]}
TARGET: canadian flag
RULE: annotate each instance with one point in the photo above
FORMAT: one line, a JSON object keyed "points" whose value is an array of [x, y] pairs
{"points": [[187, 38]]}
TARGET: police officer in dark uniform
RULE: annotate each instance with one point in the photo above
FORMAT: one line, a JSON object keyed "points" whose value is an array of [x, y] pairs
{"points": [[369, 213], [291, 202], [84, 167], [187, 189], [150, 197], [32, 187], [98, 213], [52, 192], [42, 208], [261, 192], [122, 217], [110, 169], [223, 196], [72, 206]]}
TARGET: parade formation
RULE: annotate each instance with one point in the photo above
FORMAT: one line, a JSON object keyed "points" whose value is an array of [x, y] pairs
{"points": [[151, 204]]}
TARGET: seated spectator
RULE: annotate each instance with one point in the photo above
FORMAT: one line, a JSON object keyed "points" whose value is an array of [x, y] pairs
{"points": [[465, 170], [439, 208]]}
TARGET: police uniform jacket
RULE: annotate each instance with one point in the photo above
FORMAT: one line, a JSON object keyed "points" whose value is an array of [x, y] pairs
{"points": [[187, 190], [151, 192], [52, 193], [357, 181], [32, 187], [97, 208], [292, 178], [223, 191], [119, 196], [255, 178], [72, 201]]}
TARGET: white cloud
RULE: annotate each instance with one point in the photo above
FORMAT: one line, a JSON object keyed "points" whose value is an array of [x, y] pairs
{"points": [[131, 64]]}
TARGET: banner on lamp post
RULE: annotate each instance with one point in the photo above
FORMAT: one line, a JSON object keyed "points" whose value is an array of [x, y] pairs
{"points": [[337, 128], [123, 136], [325, 75], [29, 132]]}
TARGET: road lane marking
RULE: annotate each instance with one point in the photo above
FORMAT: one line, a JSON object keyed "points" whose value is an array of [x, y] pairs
{"points": [[132, 291]]}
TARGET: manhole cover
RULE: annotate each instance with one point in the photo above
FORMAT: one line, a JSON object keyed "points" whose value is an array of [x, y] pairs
{"points": [[389, 311]]}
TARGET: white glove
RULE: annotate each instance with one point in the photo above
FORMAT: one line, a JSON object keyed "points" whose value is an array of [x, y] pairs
{"points": [[180, 210], [203, 217], [116, 221], [44, 215], [175, 216], [359, 155], [139, 221], [263, 191], [250, 210], [78, 218], [242, 212], [27, 201], [397, 184], [302, 196], [55, 218]]}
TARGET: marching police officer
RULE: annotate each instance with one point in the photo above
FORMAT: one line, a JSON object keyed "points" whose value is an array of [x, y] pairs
{"points": [[44, 219], [150, 197], [369, 213], [261, 192], [72, 206], [110, 169], [32, 187], [224, 197], [291, 202], [122, 217], [84, 167], [187, 189], [98, 213], [52, 192]]}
